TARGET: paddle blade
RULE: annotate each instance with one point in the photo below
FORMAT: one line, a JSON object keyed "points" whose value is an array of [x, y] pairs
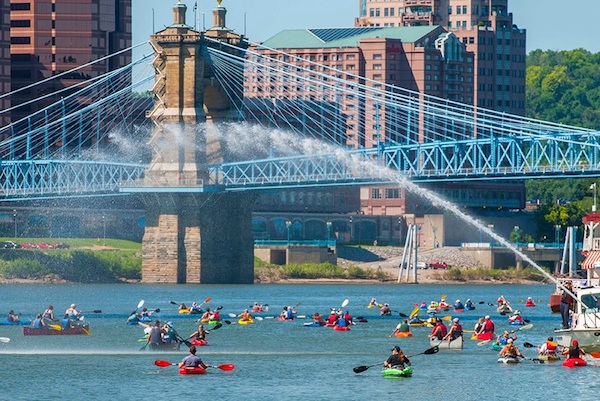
{"points": [[231, 315], [162, 363], [526, 327], [207, 300], [217, 326], [595, 354], [482, 343], [345, 303], [528, 345], [259, 318], [172, 302], [360, 369], [432, 350], [447, 318], [226, 366], [414, 312], [4, 339], [140, 304]]}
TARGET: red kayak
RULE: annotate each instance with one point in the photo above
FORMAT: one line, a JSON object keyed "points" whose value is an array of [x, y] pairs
{"points": [[484, 336], [574, 362], [199, 343], [341, 328], [192, 371]]}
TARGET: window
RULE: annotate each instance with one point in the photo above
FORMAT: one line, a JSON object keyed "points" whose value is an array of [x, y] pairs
{"points": [[20, 6], [377, 56], [377, 66], [458, 9], [20, 40], [375, 193], [20, 23], [392, 193], [464, 9], [350, 57]]}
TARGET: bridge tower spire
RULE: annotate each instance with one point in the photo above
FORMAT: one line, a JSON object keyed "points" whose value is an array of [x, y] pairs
{"points": [[193, 234]]}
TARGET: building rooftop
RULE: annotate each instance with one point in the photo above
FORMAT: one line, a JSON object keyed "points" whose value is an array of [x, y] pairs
{"points": [[343, 37]]}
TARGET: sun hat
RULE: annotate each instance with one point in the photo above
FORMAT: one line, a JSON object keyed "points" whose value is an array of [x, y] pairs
{"points": [[457, 301], [487, 317], [455, 320], [170, 324]]}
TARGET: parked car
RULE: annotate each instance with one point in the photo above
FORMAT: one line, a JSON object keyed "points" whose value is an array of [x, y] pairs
{"points": [[438, 265], [9, 245], [43, 245], [61, 245], [27, 245]]}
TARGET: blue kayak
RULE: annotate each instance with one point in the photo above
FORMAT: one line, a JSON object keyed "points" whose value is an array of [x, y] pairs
{"points": [[19, 323]]}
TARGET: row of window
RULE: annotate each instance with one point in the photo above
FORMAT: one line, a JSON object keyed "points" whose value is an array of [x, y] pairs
{"points": [[390, 193]]}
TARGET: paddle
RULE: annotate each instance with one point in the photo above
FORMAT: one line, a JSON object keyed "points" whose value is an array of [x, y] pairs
{"points": [[139, 305], [345, 303], [534, 360], [163, 364], [526, 327], [482, 343], [4, 339], [594, 354], [93, 311], [428, 351], [414, 312]]}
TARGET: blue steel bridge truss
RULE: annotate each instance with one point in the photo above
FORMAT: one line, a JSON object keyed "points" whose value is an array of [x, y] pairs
{"points": [[81, 145]]}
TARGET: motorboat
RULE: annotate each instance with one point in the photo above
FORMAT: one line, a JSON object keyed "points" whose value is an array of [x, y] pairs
{"points": [[585, 321]]}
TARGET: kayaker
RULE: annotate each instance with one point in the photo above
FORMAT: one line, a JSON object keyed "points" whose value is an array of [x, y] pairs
{"points": [[170, 334], [385, 310], [566, 305], [455, 331], [503, 339], [192, 361], [573, 351], [510, 350], [317, 318], [206, 316], [133, 318], [145, 314], [245, 315], [38, 322], [469, 305], [487, 327], [216, 316], [183, 308], [66, 322], [256, 307], [548, 348], [12, 317], [529, 302], [155, 339], [397, 359], [516, 318], [348, 318], [48, 313], [373, 303], [439, 330], [73, 312], [332, 318], [458, 305], [403, 327], [199, 334], [196, 309], [478, 326]]}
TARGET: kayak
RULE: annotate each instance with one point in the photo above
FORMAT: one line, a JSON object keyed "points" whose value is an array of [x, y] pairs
{"points": [[483, 336], [457, 343], [393, 372], [497, 347], [18, 323], [312, 324], [574, 362], [192, 371], [403, 334], [341, 328], [504, 309], [246, 321], [549, 357], [30, 331], [184, 311], [214, 321], [516, 323], [508, 359], [459, 310], [199, 343]]}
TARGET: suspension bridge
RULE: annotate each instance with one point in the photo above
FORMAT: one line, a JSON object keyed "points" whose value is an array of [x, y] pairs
{"points": [[225, 119]]}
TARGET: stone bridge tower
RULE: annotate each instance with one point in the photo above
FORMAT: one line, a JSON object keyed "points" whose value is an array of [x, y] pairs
{"points": [[194, 233]]}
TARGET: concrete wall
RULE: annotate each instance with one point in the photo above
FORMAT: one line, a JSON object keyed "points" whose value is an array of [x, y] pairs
{"points": [[295, 254]]}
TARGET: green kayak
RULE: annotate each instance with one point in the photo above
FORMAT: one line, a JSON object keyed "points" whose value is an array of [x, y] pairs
{"points": [[392, 372]]}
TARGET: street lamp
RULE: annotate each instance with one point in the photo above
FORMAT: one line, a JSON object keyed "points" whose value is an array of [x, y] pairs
{"points": [[328, 231], [15, 221], [517, 236], [288, 225]]}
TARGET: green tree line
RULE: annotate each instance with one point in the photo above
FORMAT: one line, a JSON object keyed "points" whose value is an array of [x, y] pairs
{"points": [[563, 87]]}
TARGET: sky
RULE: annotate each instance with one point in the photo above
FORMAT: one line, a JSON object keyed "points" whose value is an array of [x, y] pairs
{"points": [[261, 19]]}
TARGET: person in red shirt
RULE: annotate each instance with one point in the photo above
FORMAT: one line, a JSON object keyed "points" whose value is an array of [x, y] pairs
{"points": [[439, 330]]}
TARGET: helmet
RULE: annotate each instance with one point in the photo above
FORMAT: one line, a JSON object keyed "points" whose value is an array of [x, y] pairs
{"points": [[457, 301], [575, 343], [396, 348], [487, 317], [455, 320]]}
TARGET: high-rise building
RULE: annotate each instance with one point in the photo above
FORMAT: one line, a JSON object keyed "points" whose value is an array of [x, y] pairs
{"points": [[484, 26], [426, 59], [4, 60], [50, 37]]}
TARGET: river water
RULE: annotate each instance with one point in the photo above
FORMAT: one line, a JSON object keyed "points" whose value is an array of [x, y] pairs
{"points": [[276, 360]]}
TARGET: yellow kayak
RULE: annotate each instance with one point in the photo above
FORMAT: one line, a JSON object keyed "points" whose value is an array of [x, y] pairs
{"points": [[245, 321]]}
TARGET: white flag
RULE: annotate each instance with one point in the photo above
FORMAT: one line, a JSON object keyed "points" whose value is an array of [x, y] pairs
{"points": [[593, 186]]}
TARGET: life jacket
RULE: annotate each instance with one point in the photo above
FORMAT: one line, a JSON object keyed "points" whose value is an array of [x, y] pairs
{"points": [[289, 314], [488, 326], [331, 319], [551, 347], [342, 322]]}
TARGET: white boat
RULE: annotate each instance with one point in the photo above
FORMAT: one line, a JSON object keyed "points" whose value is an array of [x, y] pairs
{"points": [[585, 322], [457, 343]]}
